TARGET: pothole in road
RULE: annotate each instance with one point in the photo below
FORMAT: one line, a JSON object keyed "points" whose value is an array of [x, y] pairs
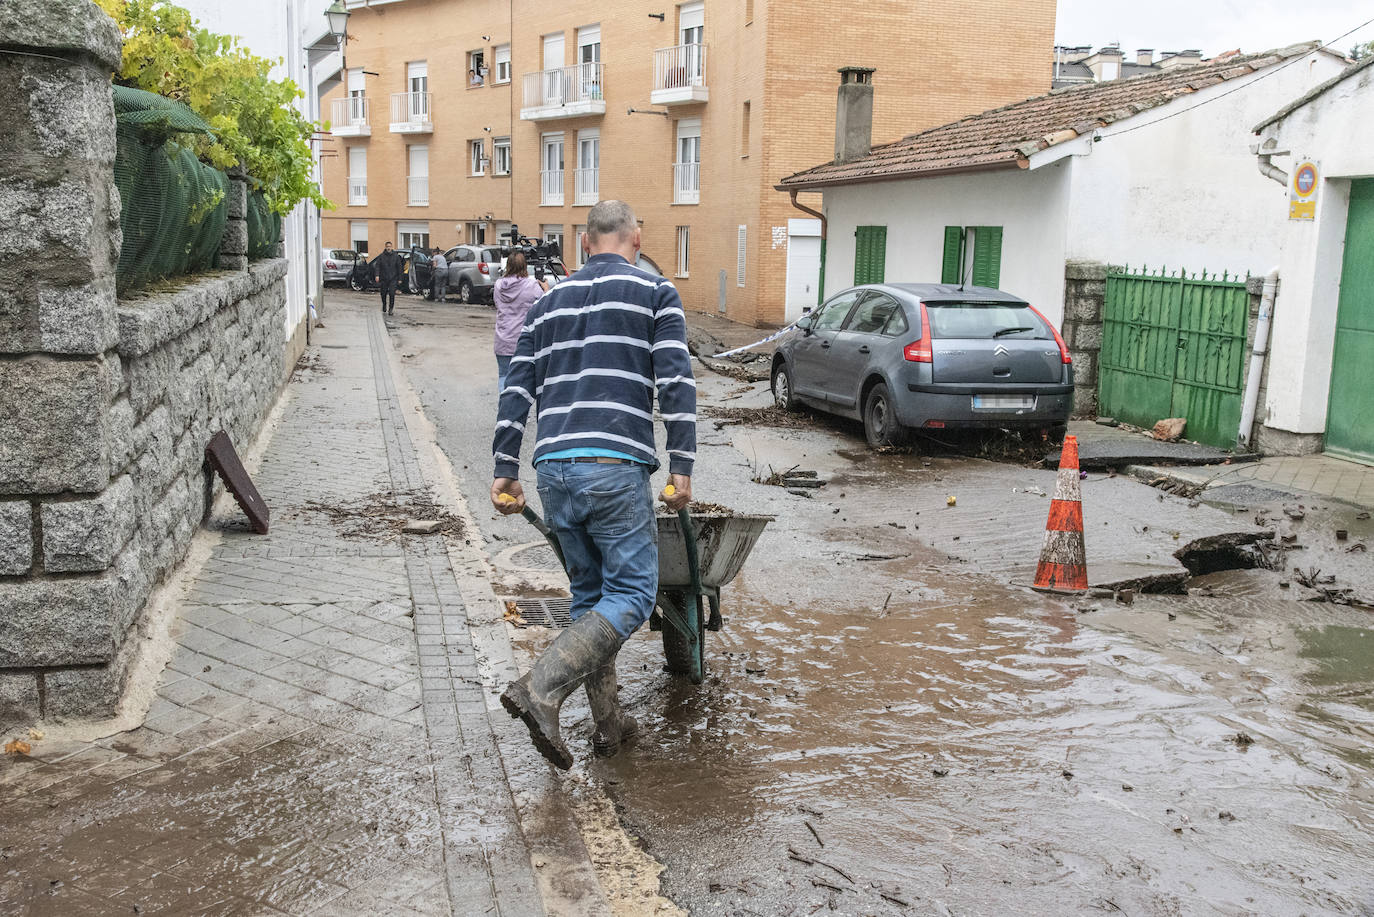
{"points": [[1230, 551]]}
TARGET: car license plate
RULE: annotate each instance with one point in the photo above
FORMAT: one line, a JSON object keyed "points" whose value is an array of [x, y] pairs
{"points": [[1004, 402]]}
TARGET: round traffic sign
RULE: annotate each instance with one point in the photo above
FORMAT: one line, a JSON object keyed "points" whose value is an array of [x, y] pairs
{"points": [[1305, 179]]}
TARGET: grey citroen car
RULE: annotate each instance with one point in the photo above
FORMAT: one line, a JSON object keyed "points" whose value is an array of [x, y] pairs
{"points": [[926, 356]]}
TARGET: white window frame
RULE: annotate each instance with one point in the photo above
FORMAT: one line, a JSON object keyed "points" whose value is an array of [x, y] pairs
{"points": [[411, 174], [741, 255], [357, 232], [500, 146], [501, 58], [358, 200], [684, 241], [587, 138], [579, 232], [687, 129], [589, 36], [477, 157], [406, 229], [479, 65], [548, 197], [550, 232]]}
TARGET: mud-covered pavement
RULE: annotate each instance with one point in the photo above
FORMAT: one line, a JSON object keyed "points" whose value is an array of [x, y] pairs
{"points": [[891, 726]]}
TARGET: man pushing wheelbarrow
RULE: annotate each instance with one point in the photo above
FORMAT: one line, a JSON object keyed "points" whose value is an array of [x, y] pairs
{"points": [[593, 351]]}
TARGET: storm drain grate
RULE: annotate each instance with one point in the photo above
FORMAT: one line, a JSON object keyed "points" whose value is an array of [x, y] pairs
{"points": [[553, 612]]}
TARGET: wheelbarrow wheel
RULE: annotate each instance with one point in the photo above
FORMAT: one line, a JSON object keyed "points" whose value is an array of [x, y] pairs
{"points": [[684, 655]]}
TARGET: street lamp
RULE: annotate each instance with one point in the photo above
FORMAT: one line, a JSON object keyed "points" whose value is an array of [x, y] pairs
{"points": [[338, 27]]}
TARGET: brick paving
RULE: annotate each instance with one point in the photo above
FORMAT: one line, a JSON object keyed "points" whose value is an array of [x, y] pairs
{"points": [[320, 741]]}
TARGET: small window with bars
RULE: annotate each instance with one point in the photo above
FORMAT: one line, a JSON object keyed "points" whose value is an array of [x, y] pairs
{"points": [[740, 255]]}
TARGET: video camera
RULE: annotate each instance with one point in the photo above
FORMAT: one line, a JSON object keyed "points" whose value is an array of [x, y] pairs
{"points": [[538, 252]]}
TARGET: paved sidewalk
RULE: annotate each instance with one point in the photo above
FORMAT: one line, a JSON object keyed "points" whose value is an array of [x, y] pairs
{"points": [[1313, 475], [320, 741]]}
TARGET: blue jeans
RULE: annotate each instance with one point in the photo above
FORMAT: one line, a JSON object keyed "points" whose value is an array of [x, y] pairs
{"points": [[502, 369], [603, 516]]}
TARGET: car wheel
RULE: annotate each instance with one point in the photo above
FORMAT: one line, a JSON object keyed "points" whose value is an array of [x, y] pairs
{"points": [[784, 394], [881, 427], [465, 291], [355, 284]]}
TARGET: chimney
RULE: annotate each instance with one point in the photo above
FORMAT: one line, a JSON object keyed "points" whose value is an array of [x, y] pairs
{"points": [[854, 114], [1145, 57]]}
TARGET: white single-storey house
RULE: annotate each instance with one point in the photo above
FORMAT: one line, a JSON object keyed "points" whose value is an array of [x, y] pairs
{"points": [[1322, 339], [1153, 171]]}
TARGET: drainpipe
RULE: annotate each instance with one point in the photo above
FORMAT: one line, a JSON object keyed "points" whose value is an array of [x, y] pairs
{"points": [[1269, 170], [1252, 380], [820, 281]]}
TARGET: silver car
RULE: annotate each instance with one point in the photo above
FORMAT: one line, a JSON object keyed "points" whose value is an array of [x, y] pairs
{"points": [[473, 271], [908, 356], [337, 264]]}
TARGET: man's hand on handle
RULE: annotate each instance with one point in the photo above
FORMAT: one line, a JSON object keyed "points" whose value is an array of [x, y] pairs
{"points": [[507, 496], [678, 493]]}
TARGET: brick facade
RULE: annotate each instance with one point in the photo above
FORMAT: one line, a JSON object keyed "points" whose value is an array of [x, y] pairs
{"points": [[935, 60]]}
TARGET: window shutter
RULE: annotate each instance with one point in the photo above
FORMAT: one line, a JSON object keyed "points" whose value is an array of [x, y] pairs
{"points": [[870, 253], [954, 255], [987, 256], [739, 256]]}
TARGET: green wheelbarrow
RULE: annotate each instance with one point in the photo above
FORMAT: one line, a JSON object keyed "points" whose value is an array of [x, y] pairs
{"points": [[698, 553]]}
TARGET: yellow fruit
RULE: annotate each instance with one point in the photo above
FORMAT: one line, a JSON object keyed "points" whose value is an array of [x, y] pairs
{"points": [[949, 501]]}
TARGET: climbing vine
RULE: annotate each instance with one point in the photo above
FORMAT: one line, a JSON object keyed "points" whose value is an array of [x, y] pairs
{"points": [[253, 117]]}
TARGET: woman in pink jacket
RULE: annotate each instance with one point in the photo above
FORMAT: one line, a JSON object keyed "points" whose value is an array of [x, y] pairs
{"points": [[515, 292]]}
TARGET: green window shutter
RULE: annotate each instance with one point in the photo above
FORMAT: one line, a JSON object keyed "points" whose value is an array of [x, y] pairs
{"points": [[870, 253], [954, 254], [987, 255]]}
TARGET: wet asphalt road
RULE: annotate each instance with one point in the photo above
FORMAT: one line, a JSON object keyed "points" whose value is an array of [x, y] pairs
{"points": [[890, 727]]}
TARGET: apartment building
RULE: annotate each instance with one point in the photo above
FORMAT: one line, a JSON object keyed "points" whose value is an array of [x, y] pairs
{"points": [[458, 117]]}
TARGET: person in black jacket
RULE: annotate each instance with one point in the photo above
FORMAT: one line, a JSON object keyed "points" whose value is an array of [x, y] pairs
{"points": [[386, 273]]}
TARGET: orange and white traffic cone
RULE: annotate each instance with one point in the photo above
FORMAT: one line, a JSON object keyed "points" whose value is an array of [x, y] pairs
{"points": [[1063, 564]]}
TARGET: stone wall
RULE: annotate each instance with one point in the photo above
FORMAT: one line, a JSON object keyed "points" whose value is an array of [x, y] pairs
{"points": [[1085, 288], [108, 404]]}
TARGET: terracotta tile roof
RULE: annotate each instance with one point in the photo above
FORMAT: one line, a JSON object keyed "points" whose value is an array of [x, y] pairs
{"points": [[1005, 138]]}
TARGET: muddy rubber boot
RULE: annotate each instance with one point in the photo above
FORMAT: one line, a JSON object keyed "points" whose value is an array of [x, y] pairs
{"points": [[538, 695], [612, 725]]}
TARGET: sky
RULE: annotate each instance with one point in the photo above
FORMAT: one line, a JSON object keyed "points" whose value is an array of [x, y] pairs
{"points": [[1212, 26]]}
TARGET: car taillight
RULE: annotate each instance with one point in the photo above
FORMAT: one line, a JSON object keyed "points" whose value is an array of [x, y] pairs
{"points": [[920, 351], [1063, 351], [330, 266], [482, 268]]}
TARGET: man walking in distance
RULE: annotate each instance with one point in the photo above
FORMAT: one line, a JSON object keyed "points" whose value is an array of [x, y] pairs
{"points": [[589, 358], [439, 273], [386, 273]]}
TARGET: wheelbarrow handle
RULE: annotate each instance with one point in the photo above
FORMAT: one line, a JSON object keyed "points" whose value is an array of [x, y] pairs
{"points": [[533, 518], [689, 538]]}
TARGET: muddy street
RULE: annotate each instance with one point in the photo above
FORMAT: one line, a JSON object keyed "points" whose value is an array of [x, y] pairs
{"points": [[893, 724]]}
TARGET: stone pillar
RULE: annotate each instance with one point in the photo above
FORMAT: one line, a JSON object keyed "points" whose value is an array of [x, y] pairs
{"points": [[233, 246], [1085, 289], [64, 597]]}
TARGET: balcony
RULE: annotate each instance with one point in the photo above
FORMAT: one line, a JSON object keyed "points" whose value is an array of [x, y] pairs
{"points": [[410, 113], [417, 190], [679, 75], [551, 188], [350, 118], [357, 192], [588, 187], [686, 183], [563, 92]]}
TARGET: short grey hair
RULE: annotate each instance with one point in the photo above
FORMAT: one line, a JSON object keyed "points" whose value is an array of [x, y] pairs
{"points": [[610, 218]]}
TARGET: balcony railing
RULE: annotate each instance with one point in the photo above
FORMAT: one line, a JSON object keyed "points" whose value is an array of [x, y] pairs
{"points": [[351, 117], [686, 183], [410, 113], [357, 192], [417, 190], [679, 75], [588, 186], [551, 187], [564, 92]]}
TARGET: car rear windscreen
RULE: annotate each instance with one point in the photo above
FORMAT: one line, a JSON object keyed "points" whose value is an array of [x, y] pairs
{"points": [[491, 255], [982, 320], [342, 254]]}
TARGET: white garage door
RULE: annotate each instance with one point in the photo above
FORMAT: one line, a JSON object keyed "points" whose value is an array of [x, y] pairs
{"points": [[803, 265]]}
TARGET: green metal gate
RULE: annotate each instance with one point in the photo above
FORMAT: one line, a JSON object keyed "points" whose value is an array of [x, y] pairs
{"points": [[1350, 412], [1174, 346]]}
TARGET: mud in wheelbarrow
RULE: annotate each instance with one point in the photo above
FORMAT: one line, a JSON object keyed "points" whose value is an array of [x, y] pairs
{"points": [[697, 555]]}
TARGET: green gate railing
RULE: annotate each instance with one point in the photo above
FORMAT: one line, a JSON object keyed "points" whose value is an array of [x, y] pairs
{"points": [[1174, 346]]}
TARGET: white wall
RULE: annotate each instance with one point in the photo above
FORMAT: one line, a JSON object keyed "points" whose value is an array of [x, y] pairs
{"points": [[1031, 208], [1336, 130], [1178, 187]]}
